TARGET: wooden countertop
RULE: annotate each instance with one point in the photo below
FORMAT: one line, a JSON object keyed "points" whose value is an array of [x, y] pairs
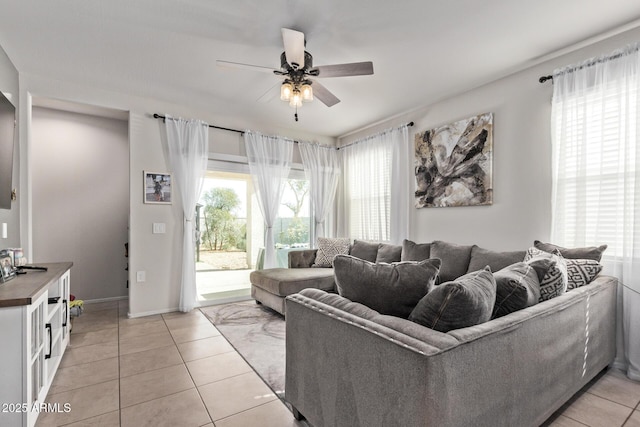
{"points": [[26, 288]]}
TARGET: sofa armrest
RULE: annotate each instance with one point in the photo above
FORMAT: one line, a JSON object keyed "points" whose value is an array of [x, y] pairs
{"points": [[304, 258]]}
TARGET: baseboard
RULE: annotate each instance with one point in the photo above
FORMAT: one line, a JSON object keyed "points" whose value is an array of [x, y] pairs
{"points": [[152, 313], [97, 300]]}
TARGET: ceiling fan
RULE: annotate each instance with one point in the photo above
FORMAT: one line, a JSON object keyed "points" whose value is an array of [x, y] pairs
{"points": [[296, 67]]}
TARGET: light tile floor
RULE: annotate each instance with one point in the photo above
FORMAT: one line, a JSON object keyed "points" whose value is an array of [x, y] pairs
{"points": [[166, 370], [177, 370]]}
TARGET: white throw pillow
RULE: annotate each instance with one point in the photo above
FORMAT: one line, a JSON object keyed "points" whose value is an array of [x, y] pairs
{"points": [[328, 248]]}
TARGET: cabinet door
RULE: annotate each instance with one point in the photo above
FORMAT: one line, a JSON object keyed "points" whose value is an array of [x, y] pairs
{"points": [[37, 343]]}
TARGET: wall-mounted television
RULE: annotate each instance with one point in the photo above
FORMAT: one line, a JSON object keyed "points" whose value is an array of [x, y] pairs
{"points": [[7, 131]]}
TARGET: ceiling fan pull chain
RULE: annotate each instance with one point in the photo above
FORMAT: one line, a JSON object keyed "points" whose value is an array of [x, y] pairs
{"points": [[296, 114]]}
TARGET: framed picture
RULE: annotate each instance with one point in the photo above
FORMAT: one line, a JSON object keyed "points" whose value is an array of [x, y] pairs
{"points": [[157, 187], [7, 272], [454, 164]]}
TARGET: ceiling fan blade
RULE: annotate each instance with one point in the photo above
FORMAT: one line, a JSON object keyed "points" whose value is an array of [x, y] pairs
{"points": [[293, 47], [238, 65], [270, 94], [341, 70], [323, 94]]}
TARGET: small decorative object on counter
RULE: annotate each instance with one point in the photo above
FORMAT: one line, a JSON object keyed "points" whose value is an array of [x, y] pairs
{"points": [[7, 271]]}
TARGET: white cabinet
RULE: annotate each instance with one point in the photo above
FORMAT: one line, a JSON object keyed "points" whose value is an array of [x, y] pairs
{"points": [[34, 331]]}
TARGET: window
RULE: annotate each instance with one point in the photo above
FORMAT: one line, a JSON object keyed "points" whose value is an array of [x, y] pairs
{"points": [[368, 186], [595, 168], [294, 218]]}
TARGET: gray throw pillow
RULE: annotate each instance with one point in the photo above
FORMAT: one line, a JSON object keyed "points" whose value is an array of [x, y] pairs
{"points": [[517, 287], [590, 252], [392, 289], [328, 248], [554, 282], [481, 257], [412, 251], [389, 253], [455, 259], [365, 250], [464, 302]]}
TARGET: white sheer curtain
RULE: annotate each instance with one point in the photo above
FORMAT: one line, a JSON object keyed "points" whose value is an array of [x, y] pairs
{"points": [[401, 184], [377, 187], [188, 142], [269, 162], [596, 177], [322, 168]]}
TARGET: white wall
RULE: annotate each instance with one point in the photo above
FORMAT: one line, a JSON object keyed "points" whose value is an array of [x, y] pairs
{"points": [[159, 255], [80, 181], [521, 210], [9, 87]]}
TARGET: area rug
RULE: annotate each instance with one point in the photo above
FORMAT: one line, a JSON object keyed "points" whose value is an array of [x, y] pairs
{"points": [[258, 334]]}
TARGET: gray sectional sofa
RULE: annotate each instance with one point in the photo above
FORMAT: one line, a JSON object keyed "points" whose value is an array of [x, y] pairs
{"points": [[271, 286], [349, 365]]}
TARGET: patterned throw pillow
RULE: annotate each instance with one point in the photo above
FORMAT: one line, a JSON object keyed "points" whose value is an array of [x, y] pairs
{"points": [[328, 248], [581, 272], [554, 282]]}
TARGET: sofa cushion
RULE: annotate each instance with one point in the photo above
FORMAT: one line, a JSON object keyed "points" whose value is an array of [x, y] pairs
{"points": [[590, 252], [481, 257], [302, 258], [517, 287], [287, 281], [412, 251], [328, 248], [554, 282], [467, 301], [389, 253], [581, 272], [392, 289], [455, 259], [367, 251]]}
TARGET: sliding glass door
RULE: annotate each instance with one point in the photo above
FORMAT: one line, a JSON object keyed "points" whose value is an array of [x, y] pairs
{"points": [[230, 226], [231, 233]]}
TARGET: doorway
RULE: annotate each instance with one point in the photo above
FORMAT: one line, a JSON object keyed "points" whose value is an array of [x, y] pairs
{"points": [[230, 229]]}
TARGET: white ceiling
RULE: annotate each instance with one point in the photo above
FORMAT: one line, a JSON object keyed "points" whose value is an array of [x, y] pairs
{"points": [[422, 50]]}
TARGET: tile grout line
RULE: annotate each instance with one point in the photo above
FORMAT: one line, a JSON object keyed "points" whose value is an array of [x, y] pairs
{"points": [[80, 388], [612, 401], [188, 371]]}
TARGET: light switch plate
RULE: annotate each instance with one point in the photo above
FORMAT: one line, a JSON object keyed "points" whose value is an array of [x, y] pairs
{"points": [[159, 228], [141, 276]]}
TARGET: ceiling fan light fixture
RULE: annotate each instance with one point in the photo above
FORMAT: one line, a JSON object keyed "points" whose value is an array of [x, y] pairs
{"points": [[307, 92], [286, 91], [296, 99]]}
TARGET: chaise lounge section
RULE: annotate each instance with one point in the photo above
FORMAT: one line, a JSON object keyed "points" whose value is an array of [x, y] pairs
{"points": [[271, 286]]}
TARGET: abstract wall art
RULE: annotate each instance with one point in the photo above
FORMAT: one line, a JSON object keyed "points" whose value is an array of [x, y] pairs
{"points": [[453, 164]]}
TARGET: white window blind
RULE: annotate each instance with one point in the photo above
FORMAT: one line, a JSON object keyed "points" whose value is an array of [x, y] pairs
{"points": [[368, 182], [595, 156]]}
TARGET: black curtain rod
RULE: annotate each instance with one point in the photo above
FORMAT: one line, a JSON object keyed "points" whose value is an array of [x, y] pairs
{"points": [[158, 116], [593, 62], [410, 124]]}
